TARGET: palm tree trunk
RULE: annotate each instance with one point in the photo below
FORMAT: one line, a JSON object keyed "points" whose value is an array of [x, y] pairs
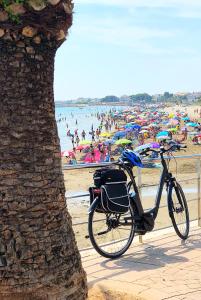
{"points": [[39, 258]]}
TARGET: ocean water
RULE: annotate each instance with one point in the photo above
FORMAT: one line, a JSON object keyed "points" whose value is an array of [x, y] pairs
{"points": [[86, 118]]}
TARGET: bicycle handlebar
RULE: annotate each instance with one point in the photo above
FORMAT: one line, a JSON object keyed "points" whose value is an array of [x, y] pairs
{"points": [[175, 147]]}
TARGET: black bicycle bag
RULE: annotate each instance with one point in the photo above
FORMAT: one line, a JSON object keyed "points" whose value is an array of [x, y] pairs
{"points": [[111, 190], [115, 198], [106, 175]]}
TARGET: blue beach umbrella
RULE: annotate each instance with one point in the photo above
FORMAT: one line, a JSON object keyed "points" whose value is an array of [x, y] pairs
{"points": [[162, 133], [185, 119], [128, 125], [136, 126], [119, 134], [129, 129], [191, 124]]}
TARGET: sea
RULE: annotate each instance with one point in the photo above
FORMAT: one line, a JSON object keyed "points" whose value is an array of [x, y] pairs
{"points": [[84, 116]]}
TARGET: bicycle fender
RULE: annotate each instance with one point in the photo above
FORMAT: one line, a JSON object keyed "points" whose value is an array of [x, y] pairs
{"points": [[93, 205]]}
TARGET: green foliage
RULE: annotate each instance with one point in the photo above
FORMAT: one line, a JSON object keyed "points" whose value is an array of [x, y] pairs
{"points": [[110, 99], [167, 95], [5, 4], [141, 98]]}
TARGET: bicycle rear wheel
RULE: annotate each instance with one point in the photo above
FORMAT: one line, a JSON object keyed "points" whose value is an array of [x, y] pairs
{"points": [[178, 210], [111, 234]]}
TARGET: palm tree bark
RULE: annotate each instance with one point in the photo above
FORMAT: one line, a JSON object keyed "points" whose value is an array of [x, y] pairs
{"points": [[39, 258]]}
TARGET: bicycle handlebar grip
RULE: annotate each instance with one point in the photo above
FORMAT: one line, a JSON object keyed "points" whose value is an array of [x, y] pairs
{"points": [[144, 152]]}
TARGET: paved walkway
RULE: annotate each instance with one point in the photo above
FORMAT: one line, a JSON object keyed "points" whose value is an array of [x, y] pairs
{"points": [[161, 268]]}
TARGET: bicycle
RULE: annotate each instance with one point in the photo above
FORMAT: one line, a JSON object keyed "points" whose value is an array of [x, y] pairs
{"points": [[111, 234]]}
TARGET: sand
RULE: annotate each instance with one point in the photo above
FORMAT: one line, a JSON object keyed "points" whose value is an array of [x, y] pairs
{"points": [[100, 293]]}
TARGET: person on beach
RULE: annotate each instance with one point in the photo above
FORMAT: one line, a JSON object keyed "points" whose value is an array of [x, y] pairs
{"points": [[83, 134], [73, 141], [77, 140], [92, 135], [185, 132], [92, 153], [109, 148], [97, 133]]}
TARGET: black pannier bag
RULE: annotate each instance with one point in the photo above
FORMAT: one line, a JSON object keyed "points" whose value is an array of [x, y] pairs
{"points": [[115, 198], [111, 189], [106, 175]]}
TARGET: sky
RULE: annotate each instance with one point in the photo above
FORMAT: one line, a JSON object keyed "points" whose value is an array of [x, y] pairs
{"points": [[125, 47]]}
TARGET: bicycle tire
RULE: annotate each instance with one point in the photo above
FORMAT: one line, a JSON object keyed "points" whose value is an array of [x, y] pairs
{"points": [[105, 249], [177, 207]]}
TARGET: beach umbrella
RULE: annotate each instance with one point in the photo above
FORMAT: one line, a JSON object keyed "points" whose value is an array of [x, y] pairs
{"points": [[129, 129], [171, 115], [154, 145], [163, 132], [80, 147], [85, 142], [123, 142], [119, 134], [191, 124], [105, 134], [185, 119], [144, 131], [136, 126], [128, 125], [172, 129], [163, 137]]}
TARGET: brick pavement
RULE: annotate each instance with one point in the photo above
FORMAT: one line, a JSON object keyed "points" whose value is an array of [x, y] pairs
{"points": [[162, 268]]}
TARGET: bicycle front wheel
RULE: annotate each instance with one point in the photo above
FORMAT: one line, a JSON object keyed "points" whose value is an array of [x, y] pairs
{"points": [[111, 234], [178, 210]]}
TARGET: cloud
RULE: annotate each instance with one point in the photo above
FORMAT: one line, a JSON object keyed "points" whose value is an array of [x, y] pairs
{"points": [[126, 31], [182, 8], [121, 33], [144, 3]]}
